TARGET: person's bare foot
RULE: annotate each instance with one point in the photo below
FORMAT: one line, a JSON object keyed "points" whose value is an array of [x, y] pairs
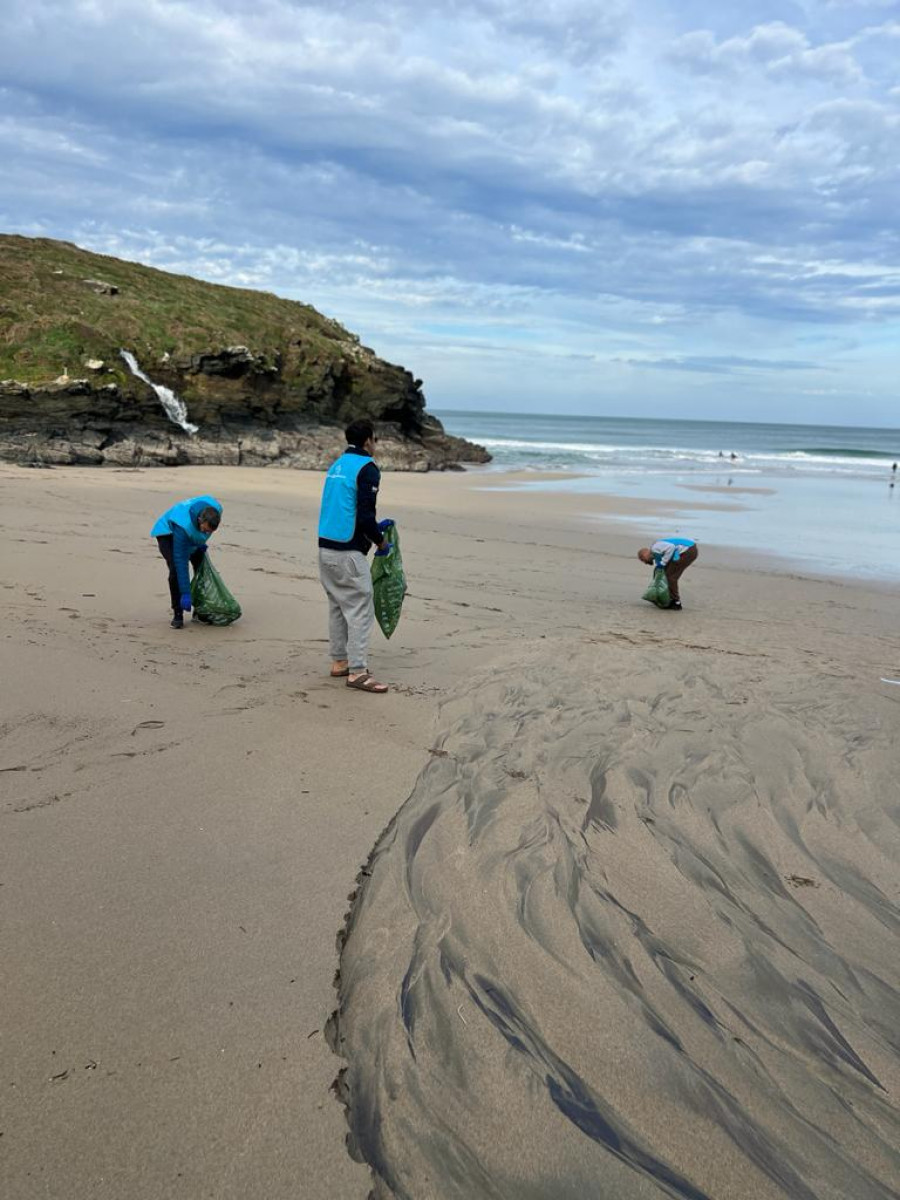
{"points": [[339, 668]]}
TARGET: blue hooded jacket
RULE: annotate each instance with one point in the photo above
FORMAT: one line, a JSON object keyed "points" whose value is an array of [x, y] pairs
{"points": [[181, 522]]}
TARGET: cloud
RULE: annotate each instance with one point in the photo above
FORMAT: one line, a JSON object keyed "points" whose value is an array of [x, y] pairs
{"points": [[577, 30], [776, 49], [719, 365], [670, 184]]}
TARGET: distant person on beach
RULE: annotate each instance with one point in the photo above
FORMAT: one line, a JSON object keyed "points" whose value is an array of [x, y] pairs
{"points": [[674, 555], [348, 528], [182, 532]]}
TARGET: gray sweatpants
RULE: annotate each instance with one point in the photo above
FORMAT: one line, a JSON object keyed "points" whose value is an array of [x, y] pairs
{"points": [[347, 582]]}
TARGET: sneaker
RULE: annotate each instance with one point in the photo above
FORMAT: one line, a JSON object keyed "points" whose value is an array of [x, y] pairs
{"points": [[177, 621], [675, 604]]}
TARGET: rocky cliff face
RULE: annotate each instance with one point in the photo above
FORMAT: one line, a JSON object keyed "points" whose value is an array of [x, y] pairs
{"points": [[244, 418], [280, 396], [70, 426]]}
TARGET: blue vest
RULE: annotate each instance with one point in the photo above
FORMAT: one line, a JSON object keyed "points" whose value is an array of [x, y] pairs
{"points": [[180, 515], [337, 516], [679, 542]]}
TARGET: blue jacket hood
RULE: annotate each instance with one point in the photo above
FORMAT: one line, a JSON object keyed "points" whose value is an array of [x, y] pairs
{"points": [[183, 516]]}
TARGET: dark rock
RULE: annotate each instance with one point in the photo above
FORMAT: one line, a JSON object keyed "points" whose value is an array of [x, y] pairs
{"points": [[10, 387], [101, 288], [77, 423], [233, 362]]}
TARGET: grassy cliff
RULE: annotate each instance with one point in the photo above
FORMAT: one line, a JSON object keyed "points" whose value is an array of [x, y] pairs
{"points": [[62, 308], [266, 381]]}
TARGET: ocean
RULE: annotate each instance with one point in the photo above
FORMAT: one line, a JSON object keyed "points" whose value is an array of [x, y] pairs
{"points": [[818, 496]]}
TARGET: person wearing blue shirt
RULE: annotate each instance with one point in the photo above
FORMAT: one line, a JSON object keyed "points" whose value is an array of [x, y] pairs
{"points": [[348, 528], [181, 533], [674, 555]]}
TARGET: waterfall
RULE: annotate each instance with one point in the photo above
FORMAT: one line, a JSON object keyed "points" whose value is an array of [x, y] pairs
{"points": [[176, 410]]}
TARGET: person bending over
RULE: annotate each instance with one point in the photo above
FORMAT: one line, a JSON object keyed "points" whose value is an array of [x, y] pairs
{"points": [[348, 528], [674, 555], [182, 532]]}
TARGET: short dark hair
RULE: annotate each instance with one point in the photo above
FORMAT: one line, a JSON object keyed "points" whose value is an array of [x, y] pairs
{"points": [[358, 432], [211, 516]]}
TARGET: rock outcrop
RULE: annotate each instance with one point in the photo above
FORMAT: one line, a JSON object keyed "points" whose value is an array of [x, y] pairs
{"points": [[76, 423], [268, 382]]}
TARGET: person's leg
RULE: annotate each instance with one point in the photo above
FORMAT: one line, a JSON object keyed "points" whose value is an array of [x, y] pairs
{"points": [[675, 570], [195, 560], [167, 550], [348, 582], [358, 606], [331, 575], [359, 609]]}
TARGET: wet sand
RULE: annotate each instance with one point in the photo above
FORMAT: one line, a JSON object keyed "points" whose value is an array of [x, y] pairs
{"points": [[633, 932]]}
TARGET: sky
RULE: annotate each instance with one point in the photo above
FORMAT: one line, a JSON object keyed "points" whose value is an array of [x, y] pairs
{"points": [[660, 208]]}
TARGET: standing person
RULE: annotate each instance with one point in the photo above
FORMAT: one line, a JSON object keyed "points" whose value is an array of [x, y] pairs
{"points": [[674, 555], [348, 527], [182, 532]]}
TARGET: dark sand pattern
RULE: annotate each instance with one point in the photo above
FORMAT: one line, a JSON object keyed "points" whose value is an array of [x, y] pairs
{"points": [[634, 935]]}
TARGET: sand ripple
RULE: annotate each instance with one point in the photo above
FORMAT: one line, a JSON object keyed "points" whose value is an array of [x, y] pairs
{"points": [[633, 935]]}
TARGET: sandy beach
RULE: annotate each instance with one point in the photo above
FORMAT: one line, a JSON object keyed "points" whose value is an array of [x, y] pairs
{"points": [[628, 913]]}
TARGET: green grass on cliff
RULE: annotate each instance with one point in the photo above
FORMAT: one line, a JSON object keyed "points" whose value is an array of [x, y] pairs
{"points": [[52, 321]]}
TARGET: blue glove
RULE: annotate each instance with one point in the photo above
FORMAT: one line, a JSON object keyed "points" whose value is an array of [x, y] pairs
{"points": [[384, 526], [186, 602]]}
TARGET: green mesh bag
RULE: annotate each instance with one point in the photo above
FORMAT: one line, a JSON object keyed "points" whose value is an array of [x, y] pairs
{"points": [[212, 601], [658, 591], [389, 584]]}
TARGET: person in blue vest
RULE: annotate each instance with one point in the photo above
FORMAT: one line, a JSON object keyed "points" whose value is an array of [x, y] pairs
{"points": [[182, 532], [674, 555], [348, 528]]}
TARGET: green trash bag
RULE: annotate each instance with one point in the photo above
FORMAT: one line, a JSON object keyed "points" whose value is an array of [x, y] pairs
{"points": [[389, 584], [658, 591], [212, 601]]}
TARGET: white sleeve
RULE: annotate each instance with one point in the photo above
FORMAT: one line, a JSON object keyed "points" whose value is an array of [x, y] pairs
{"points": [[662, 553]]}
